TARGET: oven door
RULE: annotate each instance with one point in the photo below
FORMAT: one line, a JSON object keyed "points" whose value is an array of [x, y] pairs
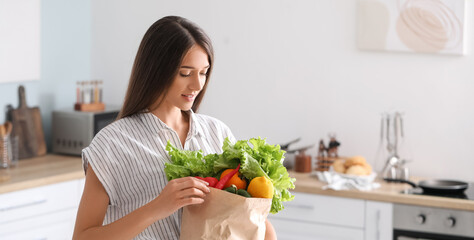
{"points": [[430, 223], [411, 235]]}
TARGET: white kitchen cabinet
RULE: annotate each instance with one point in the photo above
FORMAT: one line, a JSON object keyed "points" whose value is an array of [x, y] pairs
{"points": [[291, 230], [47, 212], [52, 226], [311, 216], [378, 220]]}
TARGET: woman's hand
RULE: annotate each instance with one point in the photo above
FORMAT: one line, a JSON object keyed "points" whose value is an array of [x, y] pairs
{"points": [[179, 193]]}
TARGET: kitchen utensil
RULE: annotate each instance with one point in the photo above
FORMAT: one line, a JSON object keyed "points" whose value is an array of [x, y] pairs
{"points": [[289, 160], [28, 127], [8, 128], [436, 186], [404, 173], [392, 151], [287, 145]]}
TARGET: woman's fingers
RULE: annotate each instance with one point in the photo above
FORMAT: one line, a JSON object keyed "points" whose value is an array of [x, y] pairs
{"points": [[188, 190], [190, 201], [186, 179], [191, 192], [191, 182]]}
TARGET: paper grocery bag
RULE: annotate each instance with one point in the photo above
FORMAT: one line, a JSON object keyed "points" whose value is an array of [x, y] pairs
{"points": [[225, 215]]}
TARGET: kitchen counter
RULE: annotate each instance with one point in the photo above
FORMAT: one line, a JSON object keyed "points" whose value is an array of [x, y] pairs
{"points": [[53, 168], [388, 192], [40, 171]]}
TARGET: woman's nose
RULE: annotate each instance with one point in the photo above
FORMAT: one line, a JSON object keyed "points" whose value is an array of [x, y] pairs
{"points": [[197, 82]]}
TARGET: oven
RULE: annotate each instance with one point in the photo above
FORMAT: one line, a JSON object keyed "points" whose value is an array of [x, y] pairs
{"points": [[429, 223]]}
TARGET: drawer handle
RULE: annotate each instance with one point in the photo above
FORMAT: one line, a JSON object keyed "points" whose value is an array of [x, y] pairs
{"points": [[307, 207], [37, 201]]}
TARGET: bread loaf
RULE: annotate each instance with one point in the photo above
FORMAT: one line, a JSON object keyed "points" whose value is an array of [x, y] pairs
{"points": [[356, 165]]}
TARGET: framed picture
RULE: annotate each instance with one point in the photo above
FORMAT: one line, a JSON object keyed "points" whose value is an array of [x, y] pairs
{"points": [[421, 26]]}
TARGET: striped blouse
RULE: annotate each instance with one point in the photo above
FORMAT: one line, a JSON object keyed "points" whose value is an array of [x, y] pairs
{"points": [[128, 157]]}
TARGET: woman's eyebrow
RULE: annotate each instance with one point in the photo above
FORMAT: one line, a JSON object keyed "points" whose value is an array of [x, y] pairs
{"points": [[193, 67]]}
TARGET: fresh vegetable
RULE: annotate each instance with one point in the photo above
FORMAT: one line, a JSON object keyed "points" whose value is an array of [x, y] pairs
{"points": [[243, 193], [234, 180], [231, 189], [256, 159], [261, 187], [223, 181], [211, 180], [186, 163]]}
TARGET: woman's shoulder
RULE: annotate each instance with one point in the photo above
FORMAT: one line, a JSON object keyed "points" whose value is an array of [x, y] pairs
{"points": [[118, 127]]}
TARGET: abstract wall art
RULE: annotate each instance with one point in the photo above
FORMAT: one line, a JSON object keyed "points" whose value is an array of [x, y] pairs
{"points": [[422, 26]]}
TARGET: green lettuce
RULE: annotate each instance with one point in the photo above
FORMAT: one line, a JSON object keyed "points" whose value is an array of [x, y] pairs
{"points": [[186, 163], [256, 158]]}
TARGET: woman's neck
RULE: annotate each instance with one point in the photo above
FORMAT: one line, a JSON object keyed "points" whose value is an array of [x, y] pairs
{"points": [[175, 119], [172, 117]]}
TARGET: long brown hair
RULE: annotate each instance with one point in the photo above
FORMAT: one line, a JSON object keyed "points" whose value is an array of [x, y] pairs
{"points": [[158, 60]]}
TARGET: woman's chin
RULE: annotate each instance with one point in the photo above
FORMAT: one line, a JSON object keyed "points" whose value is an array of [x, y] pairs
{"points": [[186, 108]]}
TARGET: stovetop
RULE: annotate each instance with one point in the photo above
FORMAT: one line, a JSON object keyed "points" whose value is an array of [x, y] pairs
{"points": [[467, 195]]}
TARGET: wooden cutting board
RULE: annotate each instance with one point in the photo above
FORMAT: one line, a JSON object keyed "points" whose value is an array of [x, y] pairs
{"points": [[28, 127]]}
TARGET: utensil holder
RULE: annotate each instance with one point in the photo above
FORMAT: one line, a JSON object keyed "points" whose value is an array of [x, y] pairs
{"points": [[8, 151], [324, 163]]}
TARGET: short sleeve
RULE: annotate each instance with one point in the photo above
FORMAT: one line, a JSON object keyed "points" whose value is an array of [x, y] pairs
{"points": [[98, 156]]}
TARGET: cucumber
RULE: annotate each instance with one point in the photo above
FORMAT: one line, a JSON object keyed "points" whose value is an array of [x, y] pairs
{"points": [[243, 193], [231, 189]]}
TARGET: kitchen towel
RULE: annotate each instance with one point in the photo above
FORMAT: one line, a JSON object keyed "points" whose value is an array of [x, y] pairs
{"points": [[339, 181]]}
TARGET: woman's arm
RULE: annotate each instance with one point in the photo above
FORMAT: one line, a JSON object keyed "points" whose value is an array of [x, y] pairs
{"points": [[176, 194], [270, 233]]}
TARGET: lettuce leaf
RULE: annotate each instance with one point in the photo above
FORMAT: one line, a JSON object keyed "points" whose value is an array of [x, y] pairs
{"points": [[186, 163]]}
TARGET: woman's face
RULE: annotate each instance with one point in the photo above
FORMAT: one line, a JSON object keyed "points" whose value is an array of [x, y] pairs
{"points": [[190, 79]]}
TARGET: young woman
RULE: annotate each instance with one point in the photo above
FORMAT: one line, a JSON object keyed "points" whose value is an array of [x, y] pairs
{"points": [[126, 194]]}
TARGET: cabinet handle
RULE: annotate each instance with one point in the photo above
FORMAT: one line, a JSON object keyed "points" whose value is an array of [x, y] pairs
{"points": [[8, 207], [377, 220], [307, 207]]}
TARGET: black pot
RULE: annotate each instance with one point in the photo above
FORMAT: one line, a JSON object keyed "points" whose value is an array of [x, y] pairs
{"points": [[436, 186]]}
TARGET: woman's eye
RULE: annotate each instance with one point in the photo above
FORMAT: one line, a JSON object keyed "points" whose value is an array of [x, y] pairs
{"points": [[185, 74], [203, 74]]}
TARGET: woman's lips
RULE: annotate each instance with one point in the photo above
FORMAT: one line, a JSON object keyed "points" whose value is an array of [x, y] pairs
{"points": [[188, 97]]}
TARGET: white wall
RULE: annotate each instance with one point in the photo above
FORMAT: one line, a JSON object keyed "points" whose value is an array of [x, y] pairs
{"points": [[287, 69]]}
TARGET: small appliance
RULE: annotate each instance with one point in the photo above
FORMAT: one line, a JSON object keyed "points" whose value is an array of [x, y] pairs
{"points": [[74, 130]]}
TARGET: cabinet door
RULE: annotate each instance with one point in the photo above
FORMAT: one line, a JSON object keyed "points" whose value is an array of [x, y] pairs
{"points": [[378, 221], [53, 226], [344, 212], [291, 230], [37, 201]]}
